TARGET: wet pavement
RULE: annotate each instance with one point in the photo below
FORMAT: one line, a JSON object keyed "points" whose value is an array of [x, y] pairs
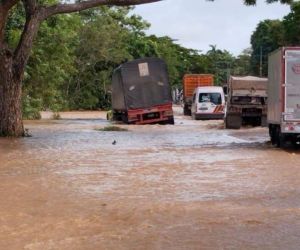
{"points": [[194, 185]]}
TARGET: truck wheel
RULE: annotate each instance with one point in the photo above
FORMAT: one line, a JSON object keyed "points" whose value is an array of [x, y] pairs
{"points": [[171, 121], [125, 118], [194, 117], [233, 121], [186, 110], [281, 141], [280, 138], [264, 122], [273, 136]]}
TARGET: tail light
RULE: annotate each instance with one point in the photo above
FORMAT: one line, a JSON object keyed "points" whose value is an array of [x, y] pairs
{"points": [[289, 127]]}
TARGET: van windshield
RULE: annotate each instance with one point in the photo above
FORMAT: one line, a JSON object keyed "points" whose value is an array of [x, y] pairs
{"points": [[214, 98]]}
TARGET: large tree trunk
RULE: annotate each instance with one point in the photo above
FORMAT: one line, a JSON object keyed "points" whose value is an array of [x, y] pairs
{"points": [[11, 123]]}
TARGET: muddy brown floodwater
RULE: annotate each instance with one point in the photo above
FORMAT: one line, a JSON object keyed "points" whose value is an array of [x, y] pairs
{"points": [[189, 186]]}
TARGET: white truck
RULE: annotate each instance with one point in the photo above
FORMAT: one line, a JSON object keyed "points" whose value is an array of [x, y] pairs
{"points": [[284, 96]]}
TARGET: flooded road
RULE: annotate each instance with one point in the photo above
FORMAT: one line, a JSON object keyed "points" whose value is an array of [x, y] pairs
{"points": [[194, 185]]}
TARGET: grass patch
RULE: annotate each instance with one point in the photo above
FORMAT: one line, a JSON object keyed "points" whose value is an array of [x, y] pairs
{"points": [[112, 128]]}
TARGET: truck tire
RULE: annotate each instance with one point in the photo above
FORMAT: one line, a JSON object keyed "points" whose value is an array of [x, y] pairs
{"points": [[280, 138], [295, 142], [171, 121], [233, 121], [264, 122], [125, 118], [116, 117], [273, 136], [186, 110], [281, 141], [194, 116]]}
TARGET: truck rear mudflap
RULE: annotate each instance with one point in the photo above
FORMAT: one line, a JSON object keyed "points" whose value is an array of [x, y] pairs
{"points": [[158, 114]]}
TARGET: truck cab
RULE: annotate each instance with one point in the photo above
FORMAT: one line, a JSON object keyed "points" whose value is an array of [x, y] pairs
{"points": [[208, 103]]}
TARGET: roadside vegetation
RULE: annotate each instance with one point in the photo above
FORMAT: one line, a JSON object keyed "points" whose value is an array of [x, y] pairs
{"points": [[272, 34], [112, 128]]}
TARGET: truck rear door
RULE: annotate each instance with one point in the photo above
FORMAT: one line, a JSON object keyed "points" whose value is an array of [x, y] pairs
{"points": [[292, 85]]}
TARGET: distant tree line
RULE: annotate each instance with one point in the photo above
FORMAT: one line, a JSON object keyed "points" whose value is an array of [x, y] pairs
{"points": [[272, 34]]}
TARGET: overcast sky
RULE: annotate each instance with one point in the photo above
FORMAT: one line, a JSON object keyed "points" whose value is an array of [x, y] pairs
{"points": [[198, 23]]}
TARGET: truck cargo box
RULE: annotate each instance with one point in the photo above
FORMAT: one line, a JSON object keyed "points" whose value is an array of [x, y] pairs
{"points": [[141, 83], [190, 83], [141, 93], [284, 95], [284, 85], [248, 83]]}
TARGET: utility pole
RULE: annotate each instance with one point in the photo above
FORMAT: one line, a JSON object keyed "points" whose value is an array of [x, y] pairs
{"points": [[228, 71], [260, 62]]}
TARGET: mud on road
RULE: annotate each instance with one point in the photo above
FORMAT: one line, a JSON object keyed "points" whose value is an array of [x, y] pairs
{"points": [[194, 185]]}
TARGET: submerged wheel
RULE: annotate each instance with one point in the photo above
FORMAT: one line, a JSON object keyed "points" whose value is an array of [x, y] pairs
{"points": [[186, 110], [125, 118], [280, 138], [272, 134], [233, 121], [171, 121], [263, 121]]}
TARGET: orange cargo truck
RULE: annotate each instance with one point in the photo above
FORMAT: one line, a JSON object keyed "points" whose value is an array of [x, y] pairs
{"points": [[190, 83]]}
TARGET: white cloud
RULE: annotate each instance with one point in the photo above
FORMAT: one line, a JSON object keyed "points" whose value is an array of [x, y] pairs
{"points": [[198, 23]]}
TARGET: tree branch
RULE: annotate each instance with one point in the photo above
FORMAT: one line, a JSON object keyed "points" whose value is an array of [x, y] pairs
{"points": [[33, 21], [69, 8], [5, 6], [30, 6], [8, 4]]}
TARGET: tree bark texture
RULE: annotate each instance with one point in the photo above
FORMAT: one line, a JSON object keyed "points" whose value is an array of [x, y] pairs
{"points": [[11, 123]]}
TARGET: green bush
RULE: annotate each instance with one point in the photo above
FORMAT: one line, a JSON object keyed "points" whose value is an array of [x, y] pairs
{"points": [[31, 108]]}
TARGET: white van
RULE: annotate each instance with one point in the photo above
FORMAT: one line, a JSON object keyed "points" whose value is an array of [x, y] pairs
{"points": [[208, 103]]}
